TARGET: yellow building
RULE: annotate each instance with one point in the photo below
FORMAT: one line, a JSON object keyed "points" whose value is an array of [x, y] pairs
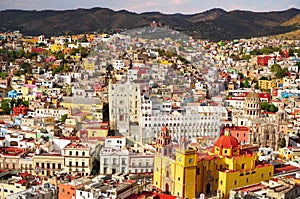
{"points": [[189, 173], [89, 65], [48, 164], [56, 48], [77, 159], [97, 132], [268, 84]]}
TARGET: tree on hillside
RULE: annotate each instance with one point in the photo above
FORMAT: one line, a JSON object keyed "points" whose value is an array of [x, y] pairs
{"points": [[273, 108], [246, 83], [278, 71], [6, 106], [265, 106]]}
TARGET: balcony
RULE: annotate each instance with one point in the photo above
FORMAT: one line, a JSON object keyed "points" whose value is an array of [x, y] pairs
{"points": [[141, 166]]}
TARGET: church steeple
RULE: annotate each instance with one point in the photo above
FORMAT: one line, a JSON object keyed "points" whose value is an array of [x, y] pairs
{"points": [[164, 139]]}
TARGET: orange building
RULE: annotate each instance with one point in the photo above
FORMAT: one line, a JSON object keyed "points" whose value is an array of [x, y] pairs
{"points": [[68, 191]]}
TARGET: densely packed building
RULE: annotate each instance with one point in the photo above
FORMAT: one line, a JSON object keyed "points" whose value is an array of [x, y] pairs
{"points": [[121, 116]]}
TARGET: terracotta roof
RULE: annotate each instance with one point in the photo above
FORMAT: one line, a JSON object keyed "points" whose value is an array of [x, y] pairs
{"points": [[227, 141]]}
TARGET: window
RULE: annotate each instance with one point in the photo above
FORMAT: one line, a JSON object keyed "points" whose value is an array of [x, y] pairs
{"points": [[270, 173], [83, 153], [262, 175], [221, 182], [235, 182], [243, 166], [76, 153], [63, 190], [246, 180], [5, 190], [178, 178], [70, 152]]}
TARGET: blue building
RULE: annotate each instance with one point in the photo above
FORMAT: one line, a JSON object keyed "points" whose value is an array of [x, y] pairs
{"points": [[13, 94]]}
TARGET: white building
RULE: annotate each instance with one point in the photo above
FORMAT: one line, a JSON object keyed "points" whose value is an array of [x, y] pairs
{"points": [[194, 121], [141, 163], [113, 160], [118, 64], [115, 141], [57, 113]]}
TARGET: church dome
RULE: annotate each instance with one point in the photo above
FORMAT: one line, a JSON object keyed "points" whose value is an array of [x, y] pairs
{"points": [[227, 145], [227, 141], [253, 96]]}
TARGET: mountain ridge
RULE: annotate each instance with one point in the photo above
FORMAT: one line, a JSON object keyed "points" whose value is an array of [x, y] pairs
{"points": [[214, 24]]}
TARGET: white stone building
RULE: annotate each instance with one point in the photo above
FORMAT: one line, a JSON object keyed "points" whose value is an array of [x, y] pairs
{"points": [[113, 160], [192, 120]]}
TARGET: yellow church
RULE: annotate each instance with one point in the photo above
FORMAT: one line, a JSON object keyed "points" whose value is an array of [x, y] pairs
{"points": [[187, 173]]}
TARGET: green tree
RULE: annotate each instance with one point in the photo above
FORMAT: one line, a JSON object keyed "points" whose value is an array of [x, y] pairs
{"points": [[263, 78], [18, 102], [273, 108], [246, 83], [26, 67], [6, 106], [63, 117], [25, 103], [20, 53], [3, 75], [265, 106], [282, 143], [59, 55], [278, 71]]}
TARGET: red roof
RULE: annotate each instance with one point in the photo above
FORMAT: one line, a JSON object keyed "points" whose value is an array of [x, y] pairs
{"points": [[227, 141], [164, 128], [288, 168]]}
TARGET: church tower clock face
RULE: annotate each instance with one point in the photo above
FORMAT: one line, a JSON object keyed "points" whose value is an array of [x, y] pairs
{"points": [[190, 160]]}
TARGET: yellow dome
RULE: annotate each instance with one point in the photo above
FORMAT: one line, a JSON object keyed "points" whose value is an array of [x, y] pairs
{"points": [[253, 96]]}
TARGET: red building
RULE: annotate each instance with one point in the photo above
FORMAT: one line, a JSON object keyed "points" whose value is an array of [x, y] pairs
{"points": [[240, 133], [20, 110]]}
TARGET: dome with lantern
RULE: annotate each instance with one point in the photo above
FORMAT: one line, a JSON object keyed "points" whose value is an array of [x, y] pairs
{"points": [[227, 145]]}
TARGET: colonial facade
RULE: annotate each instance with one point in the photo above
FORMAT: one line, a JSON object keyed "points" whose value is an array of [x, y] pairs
{"points": [[77, 159], [189, 173], [264, 129]]}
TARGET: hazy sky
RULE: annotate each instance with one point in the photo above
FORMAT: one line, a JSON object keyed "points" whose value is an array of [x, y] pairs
{"points": [[164, 6]]}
